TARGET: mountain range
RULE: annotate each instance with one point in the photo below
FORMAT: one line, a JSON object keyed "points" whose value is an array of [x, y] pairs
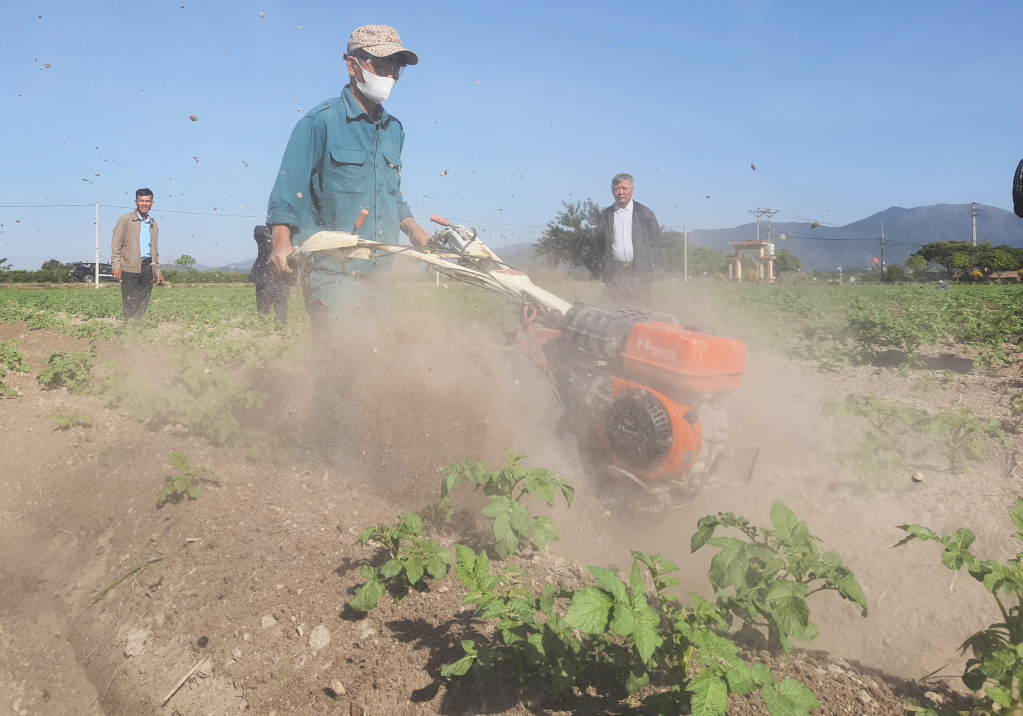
{"points": [[855, 245]]}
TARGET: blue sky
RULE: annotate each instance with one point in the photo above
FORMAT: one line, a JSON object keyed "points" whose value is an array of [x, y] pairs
{"points": [[846, 109]]}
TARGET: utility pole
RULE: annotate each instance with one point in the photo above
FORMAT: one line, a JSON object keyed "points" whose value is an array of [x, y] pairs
{"points": [[882, 248], [97, 228], [974, 223], [685, 252], [761, 213]]}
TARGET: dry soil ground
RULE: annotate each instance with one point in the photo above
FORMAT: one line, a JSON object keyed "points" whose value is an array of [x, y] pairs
{"points": [[244, 576]]}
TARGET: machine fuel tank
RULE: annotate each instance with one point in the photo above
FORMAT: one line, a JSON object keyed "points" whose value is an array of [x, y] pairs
{"points": [[684, 359]]}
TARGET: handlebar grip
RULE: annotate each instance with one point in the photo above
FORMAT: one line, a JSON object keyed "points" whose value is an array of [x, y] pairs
{"points": [[440, 220], [361, 220]]}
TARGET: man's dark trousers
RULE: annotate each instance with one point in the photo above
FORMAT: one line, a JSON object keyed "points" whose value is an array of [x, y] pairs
{"points": [[135, 291], [630, 287], [273, 293]]}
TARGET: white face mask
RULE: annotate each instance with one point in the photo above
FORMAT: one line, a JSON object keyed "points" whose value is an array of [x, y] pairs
{"points": [[375, 88]]}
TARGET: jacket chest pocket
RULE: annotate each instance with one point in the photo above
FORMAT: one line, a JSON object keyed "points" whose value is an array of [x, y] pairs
{"points": [[349, 170], [391, 172]]}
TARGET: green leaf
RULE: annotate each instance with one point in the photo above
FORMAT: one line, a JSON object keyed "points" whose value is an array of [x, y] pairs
{"points": [[637, 680], [540, 483], [705, 530], [414, 570], [1016, 513], [783, 519], [637, 585], [564, 673], [450, 482], [544, 531], [195, 491], [367, 596], [178, 461], [458, 668], [589, 610], [761, 674], [645, 633], [507, 545], [465, 564], [411, 524], [789, 698], [611, 583], [624, 621], [568, 492], [391, 568], [1000, 695], [709, 694], [437, 567], [728, 567], [520, 520], [788, 604], [739, 679]]}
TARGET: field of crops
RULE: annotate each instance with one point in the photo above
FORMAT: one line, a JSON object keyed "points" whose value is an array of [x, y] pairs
{"points": [[202, 377]]}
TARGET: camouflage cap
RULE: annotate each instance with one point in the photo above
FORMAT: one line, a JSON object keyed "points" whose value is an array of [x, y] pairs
{"points": [[380, 41]]}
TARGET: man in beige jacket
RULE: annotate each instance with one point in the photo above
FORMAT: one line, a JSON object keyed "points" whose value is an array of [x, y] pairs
{"points": [[136, 258]]}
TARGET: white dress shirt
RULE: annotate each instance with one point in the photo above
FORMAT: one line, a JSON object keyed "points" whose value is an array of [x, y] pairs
{"points": [[621, 249]]}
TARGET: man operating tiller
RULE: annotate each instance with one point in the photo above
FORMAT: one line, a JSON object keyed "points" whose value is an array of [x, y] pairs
{"points": [[342, 172]]}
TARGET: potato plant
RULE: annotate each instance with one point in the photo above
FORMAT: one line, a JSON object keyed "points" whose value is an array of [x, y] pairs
{"points": [[412, 557], [960, 433], [11, 358], [881, 454], [66, 421], [69, 369], [506, 486], [616, 625], [185, 483], [996, 662], [765, 577]]}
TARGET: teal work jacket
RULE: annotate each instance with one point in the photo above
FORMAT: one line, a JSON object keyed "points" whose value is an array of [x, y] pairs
{"points": [[338, 162]]}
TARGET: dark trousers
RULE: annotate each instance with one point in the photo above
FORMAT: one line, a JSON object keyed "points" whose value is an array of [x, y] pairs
{"points": [[627, 286], [273, 293], [135, 291]]}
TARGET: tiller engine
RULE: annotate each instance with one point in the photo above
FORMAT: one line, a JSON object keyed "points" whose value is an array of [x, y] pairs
{"points": [[642, 395]]}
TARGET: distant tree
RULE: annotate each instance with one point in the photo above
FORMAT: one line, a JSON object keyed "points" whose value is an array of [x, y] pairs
{"points": [[572, 237], [916, 264], [942, 253], [702, 260], [186, 261], [4, 266], [786, 261], [51, 265], [997, 260], [894, 272], [961, 261]]}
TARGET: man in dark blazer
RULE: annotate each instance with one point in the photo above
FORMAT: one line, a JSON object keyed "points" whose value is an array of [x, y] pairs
{"points": [[630, 239]]}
